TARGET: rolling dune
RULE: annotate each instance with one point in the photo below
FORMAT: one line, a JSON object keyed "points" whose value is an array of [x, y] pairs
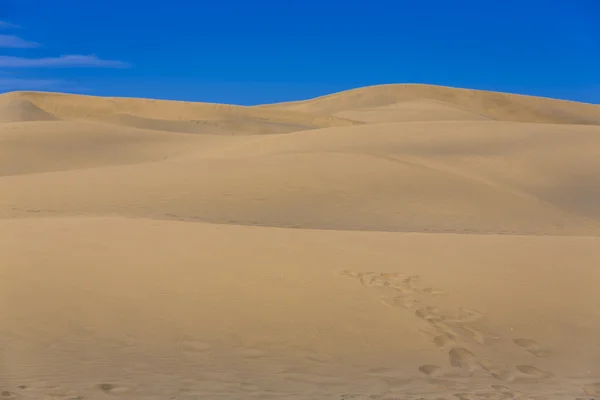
{"points": [[396, 242]]}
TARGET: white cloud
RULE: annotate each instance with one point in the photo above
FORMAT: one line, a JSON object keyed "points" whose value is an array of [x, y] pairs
{"points": [[16, 42], [65, 61]]}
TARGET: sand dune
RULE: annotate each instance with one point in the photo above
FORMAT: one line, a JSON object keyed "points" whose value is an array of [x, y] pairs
{"points": [[497, 106], [445, 245]]}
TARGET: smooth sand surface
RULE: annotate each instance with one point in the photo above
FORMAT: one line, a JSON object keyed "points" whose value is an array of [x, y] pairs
{"points": [[385, 243]]}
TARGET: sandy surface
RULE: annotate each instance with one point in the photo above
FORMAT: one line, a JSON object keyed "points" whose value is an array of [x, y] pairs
{"points": [[393, 242]]}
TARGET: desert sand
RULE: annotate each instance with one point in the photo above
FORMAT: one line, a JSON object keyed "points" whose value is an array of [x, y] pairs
{"points": [[388, 242]]}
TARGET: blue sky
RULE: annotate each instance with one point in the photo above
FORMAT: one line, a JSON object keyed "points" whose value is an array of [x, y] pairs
{"points": [[251, 52]]}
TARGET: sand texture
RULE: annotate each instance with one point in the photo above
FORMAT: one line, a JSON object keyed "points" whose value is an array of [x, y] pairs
{"points": [[389, 242]]}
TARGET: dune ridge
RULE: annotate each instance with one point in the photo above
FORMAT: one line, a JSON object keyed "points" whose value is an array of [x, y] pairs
{"points": [[399, 242]]}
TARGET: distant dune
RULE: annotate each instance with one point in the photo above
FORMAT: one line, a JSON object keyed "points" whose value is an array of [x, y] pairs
{"points": [[497, 106], [172, 115], [390, 242]]}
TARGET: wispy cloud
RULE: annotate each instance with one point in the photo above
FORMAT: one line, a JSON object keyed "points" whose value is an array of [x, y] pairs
{"points": [[65, 61], [16, 42], [7, 25], [7, 84]]}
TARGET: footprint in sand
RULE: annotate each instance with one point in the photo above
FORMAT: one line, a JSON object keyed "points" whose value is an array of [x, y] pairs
{"points": [[400, 301], [404, 284], [5, 394], [372, 279], [397, 281], [440, 338], [534, 372], [531, 346], [444, 340], [431, 314], [463, 358], [499, 372], [444, 328]]}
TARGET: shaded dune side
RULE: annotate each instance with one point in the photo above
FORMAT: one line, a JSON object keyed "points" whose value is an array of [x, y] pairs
{"points": [[78, 107], [48, 146], [498, 106], [21, 110]]}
